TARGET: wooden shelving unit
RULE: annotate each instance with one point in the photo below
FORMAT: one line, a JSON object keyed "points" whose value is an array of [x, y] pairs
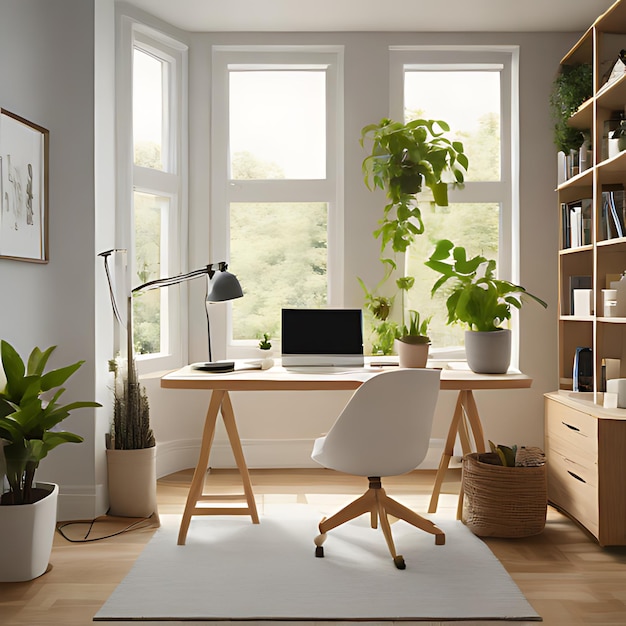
{"points": [[602, 258], [586, 443]]}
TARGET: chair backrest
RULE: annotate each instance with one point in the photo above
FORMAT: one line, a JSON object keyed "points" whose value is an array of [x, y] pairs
{"points": [[384, 430]]}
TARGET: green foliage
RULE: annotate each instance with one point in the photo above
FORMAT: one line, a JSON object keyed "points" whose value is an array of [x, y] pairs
{"points": [[474, 225], [148, 154], [477, 298], [378, 308], [570, 88], [147, 305], [286, 266], [265, 343], [404, 159], [131, 411], [27, 422], [417, 330], [505, 454]]}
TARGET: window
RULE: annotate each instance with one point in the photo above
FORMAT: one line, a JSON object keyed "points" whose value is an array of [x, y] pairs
{"points": [[427, 83], [152, 199], [276, 178]]}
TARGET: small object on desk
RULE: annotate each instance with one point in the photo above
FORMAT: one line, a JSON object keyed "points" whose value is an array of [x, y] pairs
{"points": [[216, 366]]}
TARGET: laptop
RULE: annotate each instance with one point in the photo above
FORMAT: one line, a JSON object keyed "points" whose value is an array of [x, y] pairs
{"points": [[322, 337]]}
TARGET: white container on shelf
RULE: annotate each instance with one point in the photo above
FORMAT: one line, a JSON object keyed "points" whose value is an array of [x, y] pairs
{"points": [[583, 302], [609, 302], [620, 300]]}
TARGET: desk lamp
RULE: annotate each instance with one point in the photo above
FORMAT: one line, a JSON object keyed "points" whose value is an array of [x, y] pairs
{"points": [[221, 287]]}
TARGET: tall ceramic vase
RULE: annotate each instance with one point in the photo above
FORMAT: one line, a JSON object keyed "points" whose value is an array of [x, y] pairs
{"points": [[132, 482], [26, 536], [488, 352]]}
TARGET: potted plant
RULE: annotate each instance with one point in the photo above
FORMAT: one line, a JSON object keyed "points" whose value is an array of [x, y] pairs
{"points": [[570, 88], [264, 343], [29, 415], [265, 348], [131, 446], [480, 301], [504, 491], [405, 159], [412, 341]]}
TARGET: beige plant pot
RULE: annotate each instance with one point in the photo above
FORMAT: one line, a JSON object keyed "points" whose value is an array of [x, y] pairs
{"points": [[411, 354], [26, 536], [132, 482]]}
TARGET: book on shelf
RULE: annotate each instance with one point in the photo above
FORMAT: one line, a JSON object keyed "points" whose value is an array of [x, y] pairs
{"points": [[613, 217], [576, 223]]}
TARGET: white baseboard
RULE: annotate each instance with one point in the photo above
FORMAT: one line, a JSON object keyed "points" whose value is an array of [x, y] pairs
{"points": [[81, 502], [173, 456], [88, 501]]}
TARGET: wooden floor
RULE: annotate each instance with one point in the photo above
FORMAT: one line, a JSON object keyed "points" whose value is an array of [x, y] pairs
{"points": [[565, 575]]}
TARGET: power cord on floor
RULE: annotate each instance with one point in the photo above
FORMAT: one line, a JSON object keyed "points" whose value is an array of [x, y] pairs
{"points": [[136, 525]]}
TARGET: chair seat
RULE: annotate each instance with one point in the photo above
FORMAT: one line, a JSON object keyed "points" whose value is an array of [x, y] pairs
{"points": [[384, 430]]}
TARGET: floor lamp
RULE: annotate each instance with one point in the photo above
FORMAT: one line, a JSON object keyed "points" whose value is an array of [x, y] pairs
{"points": [[221, 287]]}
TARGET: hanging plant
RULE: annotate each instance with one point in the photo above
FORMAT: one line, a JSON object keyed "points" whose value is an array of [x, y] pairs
{"points": [[405, 159]]}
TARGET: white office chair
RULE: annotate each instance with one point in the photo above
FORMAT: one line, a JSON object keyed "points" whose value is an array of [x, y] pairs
{"points": [[384, 430]]}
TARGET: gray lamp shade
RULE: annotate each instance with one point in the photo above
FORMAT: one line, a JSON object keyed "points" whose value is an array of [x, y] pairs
{"points": [[223, 286]]}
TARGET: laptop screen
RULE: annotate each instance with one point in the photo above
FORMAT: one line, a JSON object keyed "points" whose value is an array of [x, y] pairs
{"points": [[330, 337]]}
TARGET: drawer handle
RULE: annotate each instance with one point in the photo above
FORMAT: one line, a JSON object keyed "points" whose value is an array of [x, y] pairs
{"points": [[571, 427], [577, 477]]}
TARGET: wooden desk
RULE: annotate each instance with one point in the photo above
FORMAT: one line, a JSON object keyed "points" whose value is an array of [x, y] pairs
{"points": [[465, 420]]}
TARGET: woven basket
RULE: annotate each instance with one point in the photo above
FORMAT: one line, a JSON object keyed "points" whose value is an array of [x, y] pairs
{"points": [[503, 501]]}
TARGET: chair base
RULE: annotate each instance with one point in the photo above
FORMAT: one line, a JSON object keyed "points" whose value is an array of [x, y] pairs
{"points": [[379, 505]]}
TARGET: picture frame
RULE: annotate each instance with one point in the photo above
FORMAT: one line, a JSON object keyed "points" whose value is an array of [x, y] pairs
{"points": [[24, 151]]}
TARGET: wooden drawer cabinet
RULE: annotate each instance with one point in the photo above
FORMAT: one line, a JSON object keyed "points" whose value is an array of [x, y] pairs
{"points": [[586, 454]]}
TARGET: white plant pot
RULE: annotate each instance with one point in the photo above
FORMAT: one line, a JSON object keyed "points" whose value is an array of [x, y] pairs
{"points": [[488, 352], [132, 482], [411, 354], [26, 536]]}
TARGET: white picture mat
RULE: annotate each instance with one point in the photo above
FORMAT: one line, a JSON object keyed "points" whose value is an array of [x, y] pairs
{"points": [[22, 190]]}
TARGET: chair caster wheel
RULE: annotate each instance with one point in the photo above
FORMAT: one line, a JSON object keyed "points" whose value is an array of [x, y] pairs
{"points": [[319, 552], [398, 561]]}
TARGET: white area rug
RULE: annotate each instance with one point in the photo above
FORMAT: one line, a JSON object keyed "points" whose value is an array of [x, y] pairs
{"points": [[231, 569]]}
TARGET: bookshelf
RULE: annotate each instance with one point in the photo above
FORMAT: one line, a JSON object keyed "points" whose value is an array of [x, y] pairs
{"points": [[592, 209], [585, 440]]}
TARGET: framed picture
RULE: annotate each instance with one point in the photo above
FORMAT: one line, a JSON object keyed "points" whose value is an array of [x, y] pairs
{"points": [[23, 189]]}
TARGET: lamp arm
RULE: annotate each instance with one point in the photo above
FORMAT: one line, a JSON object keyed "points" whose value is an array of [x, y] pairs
{"points": [[173, 280], [209, 270]]}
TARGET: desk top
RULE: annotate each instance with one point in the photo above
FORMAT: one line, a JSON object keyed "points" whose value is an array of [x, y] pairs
{"points": [[455, 377]]}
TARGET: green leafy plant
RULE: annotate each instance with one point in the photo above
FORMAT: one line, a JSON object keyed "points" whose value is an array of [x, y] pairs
{"points": [[477, 298], [28, 421], [505, 454], [405, 160], [570, 88], [416, 331], [265, 343]]}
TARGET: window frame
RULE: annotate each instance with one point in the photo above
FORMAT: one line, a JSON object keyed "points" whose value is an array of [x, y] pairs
{"points": [[171, 182], [505, 192], [225, 190]]}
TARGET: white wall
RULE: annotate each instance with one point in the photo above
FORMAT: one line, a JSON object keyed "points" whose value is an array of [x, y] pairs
{"points": [[277, 428], [48, 76]]}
